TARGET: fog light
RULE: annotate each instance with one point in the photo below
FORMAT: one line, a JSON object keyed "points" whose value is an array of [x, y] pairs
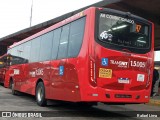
{"points": [[107, 95], [138, 96]]}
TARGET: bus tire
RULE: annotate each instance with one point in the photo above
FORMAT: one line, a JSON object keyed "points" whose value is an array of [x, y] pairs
{"points": [[10, 84], [14, 92], [40, 94]]}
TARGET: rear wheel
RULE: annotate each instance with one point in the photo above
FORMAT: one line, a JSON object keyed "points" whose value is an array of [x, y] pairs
{"points": [[10, 84], [14, 92], [40, 94]]}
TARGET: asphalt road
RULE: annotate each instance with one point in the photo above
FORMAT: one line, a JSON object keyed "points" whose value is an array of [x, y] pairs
{"points": [[67, 111]]}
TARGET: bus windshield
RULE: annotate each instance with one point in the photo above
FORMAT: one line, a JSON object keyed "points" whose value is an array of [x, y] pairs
{"points": [[123, 31]]}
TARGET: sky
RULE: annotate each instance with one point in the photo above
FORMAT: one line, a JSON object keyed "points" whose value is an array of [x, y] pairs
{"points": [[15, 14]]}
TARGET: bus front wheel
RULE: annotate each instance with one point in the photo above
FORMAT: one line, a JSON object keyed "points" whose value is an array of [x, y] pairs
{"points": [[40, 94]]}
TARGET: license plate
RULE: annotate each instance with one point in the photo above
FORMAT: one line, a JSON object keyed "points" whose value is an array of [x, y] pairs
{"points": [[123, 80]]}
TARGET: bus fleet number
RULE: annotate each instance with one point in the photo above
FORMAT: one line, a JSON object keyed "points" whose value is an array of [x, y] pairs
{"points": [[138, 64]]}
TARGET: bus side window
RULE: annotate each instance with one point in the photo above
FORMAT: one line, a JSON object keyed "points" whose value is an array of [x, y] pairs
{"points": [[46, 46], [17, 60], [27, 51], [55, 43], [35, 49], [76, 37], [62, 53]]}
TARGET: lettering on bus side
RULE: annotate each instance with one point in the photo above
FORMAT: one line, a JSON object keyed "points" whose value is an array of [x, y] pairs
{"points": [[123, 64], [39, 71], [32, 73], [16, 72], [116, 18], [138, 64]]}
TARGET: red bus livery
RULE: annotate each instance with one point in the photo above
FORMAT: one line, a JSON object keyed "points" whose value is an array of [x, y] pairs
{"points": [[98, 55], [4, 66], [2, 70]]}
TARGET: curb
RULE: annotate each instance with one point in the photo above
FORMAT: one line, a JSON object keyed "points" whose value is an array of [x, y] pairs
{"points": [[154, 102]]}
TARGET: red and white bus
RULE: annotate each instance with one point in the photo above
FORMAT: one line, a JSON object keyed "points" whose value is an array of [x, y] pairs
{"points": [[97, 55]]}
